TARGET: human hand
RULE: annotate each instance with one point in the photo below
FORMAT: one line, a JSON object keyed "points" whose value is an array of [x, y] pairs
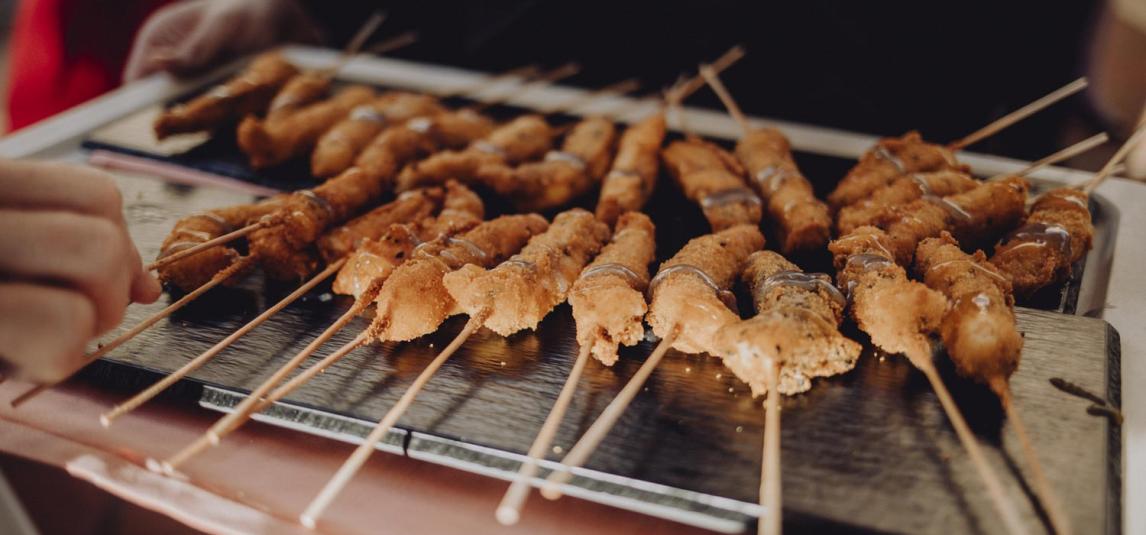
{"points": [[68, 268], [189, 36]]}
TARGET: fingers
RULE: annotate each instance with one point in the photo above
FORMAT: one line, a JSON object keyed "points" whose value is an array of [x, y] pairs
{"points": [[44, 330], [56, 186], [85, 253], [160, 35]]}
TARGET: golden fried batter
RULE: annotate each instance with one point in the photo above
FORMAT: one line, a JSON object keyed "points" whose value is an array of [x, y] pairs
{"points": [[691, 291], [630, 182], [890, 158], [902, 190], [410, 206], [248, 93], [1057, 234], [802, 222], [290, 135], [608, 299], [303, 89], [414, 300], [711, 177], [979, 330], [521, 291], [796, 326], [338, 148]]}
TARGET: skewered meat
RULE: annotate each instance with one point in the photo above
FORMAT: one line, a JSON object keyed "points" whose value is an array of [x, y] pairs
{"points": [[802, 222], [887, 160], [898, 314], [410, 206], [303, 89], [711, 177], [796, 326], [563, 175], [630, 181], [195, 270], [975, 216], [608, 299], [1057, 234], [376, 257], [523, 139], [902, 190], [414, 301], [338, 148], [248, 93], [692, 290], [979, 329], [289, 135], [519, 292], [388, 152]]}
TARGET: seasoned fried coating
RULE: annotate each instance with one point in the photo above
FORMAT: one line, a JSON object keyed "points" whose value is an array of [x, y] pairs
{"points": [[521, 291], [608, 299], [1057, 234], [801, 221], [375, 258], [304, 216], [796, 326], [887, 160], [250, 92], [975, 216], [195, 270], [290, 135], [338, 148], [630, 181], [414, 300], [711, 177], [898, 314], [410, 206], [563, 176], [979, 330], [692, 290], [523, 139], [301, 90], [385, 156], [902, 190], [454, 129]]}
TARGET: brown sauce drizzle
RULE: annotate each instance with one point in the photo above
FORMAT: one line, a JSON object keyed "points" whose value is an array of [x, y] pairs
{"points": [[631, 278], [315, 200], [420, 125], [812, 282], [482, 145], [725, 296], [771, 178], [368, 113], [567, 157], [881, 153], [729, 196], [1040, 235], [953, 209], [924, 185]]}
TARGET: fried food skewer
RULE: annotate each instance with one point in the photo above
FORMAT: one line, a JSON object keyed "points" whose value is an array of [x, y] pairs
{"points": [[1059, 156], [337, 245], [900, 314], [511, 297], [894, 157], [801, 221], [608, 304], [982, 339], [690, 301]]}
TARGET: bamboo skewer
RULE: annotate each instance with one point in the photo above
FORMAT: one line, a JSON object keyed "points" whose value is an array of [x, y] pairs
{"points": [[560, 73], [1059, 156], [397, 42], [214, 242], [246, 407], [1043, 488], [1018, 115], [1003, 504], [509, 510], [605, 422], [346, 472], [356, 42], [1108, 169], [219, 278], [194, 364], [770, 491]]}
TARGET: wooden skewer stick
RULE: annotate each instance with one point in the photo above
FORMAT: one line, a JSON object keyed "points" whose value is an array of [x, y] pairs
{"points": [[1064, 154], [194, 364], [295, 382], [247, 407], [346, 472], [770, 490], [1003, 504], [509, 511], [723, 62], [560, 73], [725, 96], [355, 44], [605, 422], [1059, 521], [397, 42], [219, 278], [1018, 115], [619, 88], [1119, 155], [214, 242]]}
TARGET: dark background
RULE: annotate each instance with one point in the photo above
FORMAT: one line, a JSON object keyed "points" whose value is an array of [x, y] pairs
{"points": [[875, 67]]}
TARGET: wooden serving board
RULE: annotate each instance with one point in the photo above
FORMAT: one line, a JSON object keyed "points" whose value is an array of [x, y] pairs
{"points": [[867, 451]]}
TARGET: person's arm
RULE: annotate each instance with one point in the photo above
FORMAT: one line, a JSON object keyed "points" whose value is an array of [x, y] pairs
{"points": [[192, 35], [68, 268]]}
